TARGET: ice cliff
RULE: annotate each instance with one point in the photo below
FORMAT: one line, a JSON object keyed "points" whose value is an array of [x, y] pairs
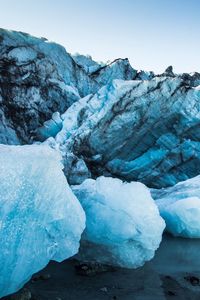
{"points": [[38, 78], [144, 127], [136, 130]]}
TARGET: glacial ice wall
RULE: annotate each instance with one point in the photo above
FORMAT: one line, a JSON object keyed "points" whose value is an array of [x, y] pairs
{"points": [[144, 127], [39, 78], [136, 130]]}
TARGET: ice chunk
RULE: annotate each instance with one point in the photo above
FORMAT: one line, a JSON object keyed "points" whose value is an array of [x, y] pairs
{"points": [[180, 207], [123, 224], [40, 218]]}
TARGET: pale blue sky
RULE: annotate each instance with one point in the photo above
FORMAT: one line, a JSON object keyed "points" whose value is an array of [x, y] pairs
{"points": [[151, 33]]}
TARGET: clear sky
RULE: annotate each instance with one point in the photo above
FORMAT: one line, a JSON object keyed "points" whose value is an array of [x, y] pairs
{"points": [[153, 34]]}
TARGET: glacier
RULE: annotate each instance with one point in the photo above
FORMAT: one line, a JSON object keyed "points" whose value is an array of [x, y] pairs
{"points": [[40, 217], [123, 225], [111, 130], [135, 130], [39, 78], [150, 121], [180, 207]]}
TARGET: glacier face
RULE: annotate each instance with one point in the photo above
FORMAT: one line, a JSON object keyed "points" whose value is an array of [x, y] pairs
{"points": [[143, 128], [39, 78], [180, 207], [123, 225], [136, 130], [40, 218], [33, 84]]}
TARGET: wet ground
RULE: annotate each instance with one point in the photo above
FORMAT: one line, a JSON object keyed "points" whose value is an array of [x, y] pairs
{"points": [[174, 273]]}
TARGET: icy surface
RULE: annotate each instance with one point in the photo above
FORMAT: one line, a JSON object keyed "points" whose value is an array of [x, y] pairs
{"points": [[180, 207], [40, 218], [118, 69], [123, 225], [39, 78], [87, 63], [22, 55], [136, 130]]}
